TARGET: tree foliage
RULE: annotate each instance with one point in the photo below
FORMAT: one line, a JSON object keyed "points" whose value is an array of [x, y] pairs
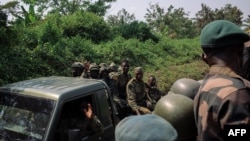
{"points": [[122, 17], [44, 44], [138, 30], [67, 7], [173, 23], [229, 12]]}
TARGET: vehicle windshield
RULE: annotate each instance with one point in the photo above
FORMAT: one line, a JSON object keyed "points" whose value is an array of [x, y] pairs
{"points": [[24, 117]]}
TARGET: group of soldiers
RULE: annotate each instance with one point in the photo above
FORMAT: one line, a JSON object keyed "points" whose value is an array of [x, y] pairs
{"points": [[197, 110], [131, 95]]}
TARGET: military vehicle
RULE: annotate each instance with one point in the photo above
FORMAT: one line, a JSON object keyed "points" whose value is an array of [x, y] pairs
{"points": [[32, 109]]}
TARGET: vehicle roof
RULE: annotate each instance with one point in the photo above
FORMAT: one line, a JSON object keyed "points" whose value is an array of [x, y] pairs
{"points": [[53, 87]]}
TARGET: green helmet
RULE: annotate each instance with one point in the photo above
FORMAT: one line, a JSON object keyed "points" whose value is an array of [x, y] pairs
{"points": [[77, 65], [221, 33], [178, 110], [185, 86]]}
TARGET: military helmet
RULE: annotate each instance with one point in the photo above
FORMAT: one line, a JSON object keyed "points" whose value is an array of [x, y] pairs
{"points": [[185, 86], [178, 110], [77, 65], [113, 67], [103, 65], [221, 33], [94, 66]]}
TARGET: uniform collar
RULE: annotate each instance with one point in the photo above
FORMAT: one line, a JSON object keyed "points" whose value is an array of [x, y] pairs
{"points": [[223, 70]]}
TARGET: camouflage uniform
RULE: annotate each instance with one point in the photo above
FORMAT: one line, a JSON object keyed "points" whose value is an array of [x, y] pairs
{"points": [[113, 76], [222, 98], [136, 95]]}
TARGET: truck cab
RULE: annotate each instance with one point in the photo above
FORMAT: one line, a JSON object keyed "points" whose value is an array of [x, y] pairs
{"points": [[33, 109]]}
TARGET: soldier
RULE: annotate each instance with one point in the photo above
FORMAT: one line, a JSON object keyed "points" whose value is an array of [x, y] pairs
{"points": [[224, 96], [113, 76], [77, 69], [185, 86], [104, 73], [136, 93], [145, 128], [178, 111], [85, 73], [120, 97], [152, 90], [94, 71], [246, 62]]}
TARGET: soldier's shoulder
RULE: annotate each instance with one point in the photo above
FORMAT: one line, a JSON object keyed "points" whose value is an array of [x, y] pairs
{"points": [[131, 81]]}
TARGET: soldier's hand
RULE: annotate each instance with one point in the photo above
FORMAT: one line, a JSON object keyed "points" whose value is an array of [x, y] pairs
{"points": [[88, 112], [144, 110], [137, 112]]}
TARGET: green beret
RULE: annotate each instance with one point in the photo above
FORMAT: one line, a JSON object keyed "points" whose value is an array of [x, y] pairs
{"points": [[138, 70], [221, 33]]}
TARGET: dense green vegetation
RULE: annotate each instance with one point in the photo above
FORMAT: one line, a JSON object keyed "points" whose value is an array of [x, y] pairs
{"points": [[166, 45]]}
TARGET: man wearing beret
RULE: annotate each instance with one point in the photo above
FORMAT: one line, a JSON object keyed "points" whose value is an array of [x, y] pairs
{"points": [[223, 99], [136, 93], [147, 127]]}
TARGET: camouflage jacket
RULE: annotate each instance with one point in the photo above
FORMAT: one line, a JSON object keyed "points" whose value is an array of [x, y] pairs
{"points": [[121, 84], [223, 99], [136, 94]]}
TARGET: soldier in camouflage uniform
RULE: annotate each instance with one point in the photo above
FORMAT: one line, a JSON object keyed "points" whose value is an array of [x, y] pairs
{"points": [[120, 97], [113, 76], [104, 73], [77, 69], [85, 73], [94, 70], [152, 90], [136, 93], [224, 96]]}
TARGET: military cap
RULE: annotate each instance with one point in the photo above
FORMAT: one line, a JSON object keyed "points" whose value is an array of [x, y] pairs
{"points": [[138, 70], [77, 65], [221, 33], [147, 127]]}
